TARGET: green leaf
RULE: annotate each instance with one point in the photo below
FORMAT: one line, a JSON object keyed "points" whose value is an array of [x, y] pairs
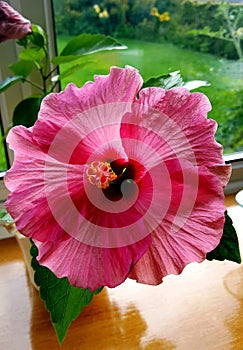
{"points": [[5, 218], [195, 84], [35, 55], [22, 68], [23, 41], [73, 69], [37, 40], [166, 81], [64, 59], [63, 301], [85, 44], [38, 36], [26, 112], [6, 83], [228, 248], [206, 31]]}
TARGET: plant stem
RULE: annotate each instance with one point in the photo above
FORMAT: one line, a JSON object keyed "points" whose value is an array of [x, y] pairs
{"points": [[54, 85], [50, 73], [43, 80], [33, 84]]}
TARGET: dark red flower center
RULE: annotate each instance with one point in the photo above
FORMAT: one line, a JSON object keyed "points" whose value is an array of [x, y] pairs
{"points": [[123, 185], [111, 176]]}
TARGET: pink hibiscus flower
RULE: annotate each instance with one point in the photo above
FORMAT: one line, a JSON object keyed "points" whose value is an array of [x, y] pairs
{"points": [[12, 24], [111, 184]]}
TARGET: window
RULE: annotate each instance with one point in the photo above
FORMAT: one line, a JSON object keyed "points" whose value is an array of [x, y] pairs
{"points": [[41, 12]]}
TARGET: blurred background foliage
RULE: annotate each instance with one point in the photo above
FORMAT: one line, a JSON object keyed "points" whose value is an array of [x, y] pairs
{"points": [[133, 19]]}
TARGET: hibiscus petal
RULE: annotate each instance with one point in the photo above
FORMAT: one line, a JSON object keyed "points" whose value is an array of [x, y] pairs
{"points": [[90, 136], [159, 137], [172, 124], [186, 123], [27, 203], [90, 267], [222, 171], [121, 85], [186, 233]]}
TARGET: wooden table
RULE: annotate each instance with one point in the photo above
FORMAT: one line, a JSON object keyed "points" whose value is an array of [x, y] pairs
{"points": [[202, 309]]}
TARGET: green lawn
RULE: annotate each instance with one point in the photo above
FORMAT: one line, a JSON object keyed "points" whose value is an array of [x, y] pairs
{"points": [[152, 59]]}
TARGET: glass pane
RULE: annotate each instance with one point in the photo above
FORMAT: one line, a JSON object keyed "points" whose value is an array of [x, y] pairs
{"points": [[194, 37]]}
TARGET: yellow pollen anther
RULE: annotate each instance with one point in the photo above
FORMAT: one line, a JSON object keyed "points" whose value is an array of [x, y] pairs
{"points": [[100, 174]]}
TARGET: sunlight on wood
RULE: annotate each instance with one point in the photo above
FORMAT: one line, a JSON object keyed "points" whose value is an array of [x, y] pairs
{"points": [[201, 309]]}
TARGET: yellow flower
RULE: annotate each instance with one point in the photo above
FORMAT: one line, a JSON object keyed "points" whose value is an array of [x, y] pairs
{"points": [[96, 8], [154, 12], [104, 14], [164, 17]]}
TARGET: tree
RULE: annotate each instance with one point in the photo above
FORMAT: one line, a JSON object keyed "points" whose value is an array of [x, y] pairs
{"points": [[230, 29]]}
